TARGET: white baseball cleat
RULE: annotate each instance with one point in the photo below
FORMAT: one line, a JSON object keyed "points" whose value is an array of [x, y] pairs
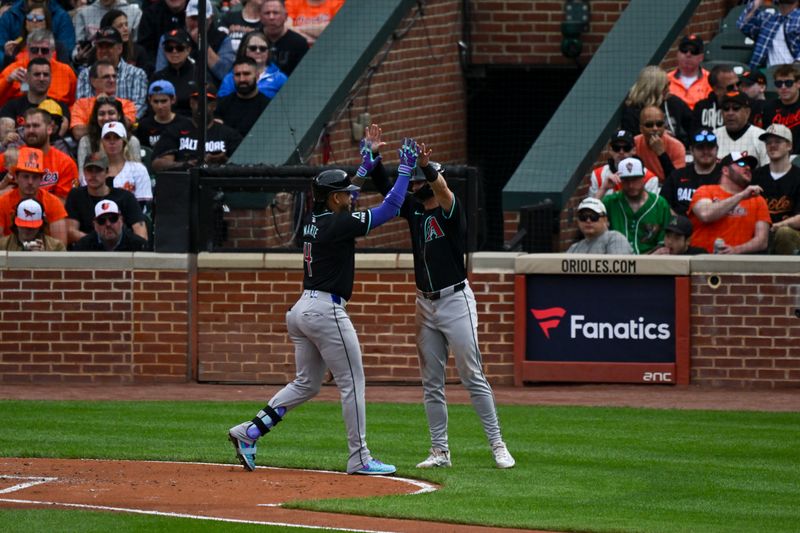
{"points": [[437, 459], [501, 455]]}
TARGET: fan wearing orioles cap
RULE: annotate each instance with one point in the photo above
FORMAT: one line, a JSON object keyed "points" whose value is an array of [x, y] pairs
{"points": [[28, 170], [110, 233], [28, 231]]}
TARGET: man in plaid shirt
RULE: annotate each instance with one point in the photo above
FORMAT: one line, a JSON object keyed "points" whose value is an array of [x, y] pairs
{"points": [[776, 32], [131, 81]]}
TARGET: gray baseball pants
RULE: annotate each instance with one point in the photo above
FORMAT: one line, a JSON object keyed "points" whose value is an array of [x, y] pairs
{"points": [[324, 337], [452, 322]]}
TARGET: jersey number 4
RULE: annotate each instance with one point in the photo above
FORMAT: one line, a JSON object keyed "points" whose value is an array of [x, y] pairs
{"points": [[307, 257]]}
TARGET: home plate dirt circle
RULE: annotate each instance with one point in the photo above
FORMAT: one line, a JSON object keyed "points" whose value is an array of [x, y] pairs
{"points": [[203, 491]]}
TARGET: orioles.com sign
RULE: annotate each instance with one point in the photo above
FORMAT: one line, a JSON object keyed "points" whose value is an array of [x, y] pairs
{"points": [[613, 319]]}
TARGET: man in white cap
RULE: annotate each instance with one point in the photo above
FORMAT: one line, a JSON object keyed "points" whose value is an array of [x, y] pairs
{"points": [[28, 231], [597, 238], [639, 215], [110, 233], [780, 185]]}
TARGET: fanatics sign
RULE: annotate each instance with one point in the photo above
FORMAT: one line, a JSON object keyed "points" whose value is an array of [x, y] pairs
{"points": [[578, 321], [589, 319]]}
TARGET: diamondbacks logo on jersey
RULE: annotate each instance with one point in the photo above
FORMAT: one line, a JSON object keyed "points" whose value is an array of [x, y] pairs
{"points": [[432, 229], [361, 216]]}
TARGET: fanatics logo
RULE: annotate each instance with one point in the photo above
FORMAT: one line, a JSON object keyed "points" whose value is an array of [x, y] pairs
{"points": [[549, 318]]}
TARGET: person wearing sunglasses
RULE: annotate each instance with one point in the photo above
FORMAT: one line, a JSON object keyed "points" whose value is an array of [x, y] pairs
{"points": [[40, 43], [110, 233], [81, 201], [776, 32], [604, 180], [680, 185], [652, 88], [780, 185], [738, 134], [220, 54], [660, 151], [270, 78], [707, 112], [180, 70], [689, 81], [733, 213], [15, 20], [639, 215], [785, 109], [38, 17], [597, 238]]}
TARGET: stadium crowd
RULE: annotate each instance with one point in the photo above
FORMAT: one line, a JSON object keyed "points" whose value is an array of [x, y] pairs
{"points": [[703, 162], [97, 97]]}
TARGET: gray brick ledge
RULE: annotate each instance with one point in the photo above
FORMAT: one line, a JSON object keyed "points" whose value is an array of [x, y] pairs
{"points": [[746, 264]]}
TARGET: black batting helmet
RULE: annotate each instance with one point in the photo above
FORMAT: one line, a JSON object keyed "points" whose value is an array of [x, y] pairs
{"points": [[329, 181], [420, 176]]}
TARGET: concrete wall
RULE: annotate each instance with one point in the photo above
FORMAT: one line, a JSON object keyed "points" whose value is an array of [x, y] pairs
{"points": [[147, 318]]}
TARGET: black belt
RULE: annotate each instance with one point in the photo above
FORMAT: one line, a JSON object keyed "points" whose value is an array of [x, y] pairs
{"points": [[435, 295]]}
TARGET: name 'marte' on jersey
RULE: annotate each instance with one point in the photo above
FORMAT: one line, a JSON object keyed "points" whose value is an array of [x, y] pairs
{"points": [[329, 241]]}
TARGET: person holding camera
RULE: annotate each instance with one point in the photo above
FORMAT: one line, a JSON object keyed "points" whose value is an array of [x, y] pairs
{"points": [[28, 231]]}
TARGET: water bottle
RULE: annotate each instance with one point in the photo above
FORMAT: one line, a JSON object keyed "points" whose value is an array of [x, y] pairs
{"points": [[718, 245]]}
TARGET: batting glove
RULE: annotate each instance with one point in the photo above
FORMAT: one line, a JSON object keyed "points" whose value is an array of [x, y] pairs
{"points": [[408, 152], [369, 160]]}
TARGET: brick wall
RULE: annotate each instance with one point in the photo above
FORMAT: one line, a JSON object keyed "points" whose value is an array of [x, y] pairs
{"points": [[744, 330], [98, 318], [92, 325], [242, 332]]}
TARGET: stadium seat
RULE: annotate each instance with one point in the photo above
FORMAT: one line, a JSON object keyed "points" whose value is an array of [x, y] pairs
{"points": [[730, 47], [728, 23]]}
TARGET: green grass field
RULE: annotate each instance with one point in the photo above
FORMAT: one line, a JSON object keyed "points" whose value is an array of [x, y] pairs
{"points": [[578, 468]]}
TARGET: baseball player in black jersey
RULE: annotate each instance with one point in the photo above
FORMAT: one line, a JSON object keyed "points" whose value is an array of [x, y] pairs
{"points": [[318, 323], [446, 315]]}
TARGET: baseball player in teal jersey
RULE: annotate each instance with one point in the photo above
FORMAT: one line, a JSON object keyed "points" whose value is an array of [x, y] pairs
{"points": [[318, 323], [446, 313]]}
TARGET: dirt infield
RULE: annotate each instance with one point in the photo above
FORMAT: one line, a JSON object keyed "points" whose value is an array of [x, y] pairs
{"points": [[204, 491], [226, 492]]}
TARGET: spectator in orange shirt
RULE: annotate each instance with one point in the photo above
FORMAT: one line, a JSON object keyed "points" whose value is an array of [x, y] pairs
{"points": [[661, 152], [309, 18], [103, 77], [28, 172], [59, 172], [689, 81], [733, 211], [40, 44]]}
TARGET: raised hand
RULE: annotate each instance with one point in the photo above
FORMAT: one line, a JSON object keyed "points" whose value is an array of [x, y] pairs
{"points": [[424, 155], [369, 156], [408, 152], [372, 136]]}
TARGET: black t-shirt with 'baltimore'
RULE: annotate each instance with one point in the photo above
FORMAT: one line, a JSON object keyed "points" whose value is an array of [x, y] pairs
{"points": [[182, 141], [680, 185]]}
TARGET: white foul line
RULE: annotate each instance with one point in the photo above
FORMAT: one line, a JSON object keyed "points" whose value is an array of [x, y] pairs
{"points": [[19, 486], [182, 515]]}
